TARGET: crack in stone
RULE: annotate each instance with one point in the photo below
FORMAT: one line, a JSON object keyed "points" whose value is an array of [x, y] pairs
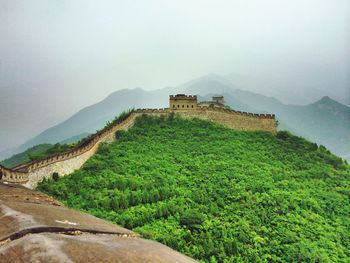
{"points": [[58, 230]]}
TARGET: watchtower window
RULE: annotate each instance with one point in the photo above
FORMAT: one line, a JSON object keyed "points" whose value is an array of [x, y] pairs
{"points": [[192, 106], [173, 106], [187, 106], [178, 106], [183, 106]]}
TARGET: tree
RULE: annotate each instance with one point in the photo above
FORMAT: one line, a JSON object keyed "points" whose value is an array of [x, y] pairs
{"points": [[55, 176], [192, 219]]}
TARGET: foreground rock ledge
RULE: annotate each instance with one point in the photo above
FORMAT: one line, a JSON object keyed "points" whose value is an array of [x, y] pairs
{"points": [[35, 227]]}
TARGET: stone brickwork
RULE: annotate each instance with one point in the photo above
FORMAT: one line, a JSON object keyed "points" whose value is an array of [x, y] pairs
{"points": [[29, 174], [237, 120], [182, 102]]}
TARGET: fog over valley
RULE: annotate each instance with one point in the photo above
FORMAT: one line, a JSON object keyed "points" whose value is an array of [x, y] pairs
{"points": [[58, 57], [175, 131]]}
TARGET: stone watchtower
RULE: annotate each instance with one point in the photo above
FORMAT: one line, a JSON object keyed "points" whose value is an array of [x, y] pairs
{"points": [[182, 102], [219, 99]]}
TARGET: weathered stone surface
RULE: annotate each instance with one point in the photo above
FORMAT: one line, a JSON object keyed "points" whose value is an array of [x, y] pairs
{"points": [[64, 167], [85, 247], [36, 228], [31, 174], [18, 193]]}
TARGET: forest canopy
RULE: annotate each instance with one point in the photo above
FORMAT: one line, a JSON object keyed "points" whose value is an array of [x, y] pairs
{"points": [[216, 194]]}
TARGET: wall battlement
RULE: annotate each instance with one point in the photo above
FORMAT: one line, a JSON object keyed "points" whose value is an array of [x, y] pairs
{"points": [[183, 97], [182, 102], [29, 174]]}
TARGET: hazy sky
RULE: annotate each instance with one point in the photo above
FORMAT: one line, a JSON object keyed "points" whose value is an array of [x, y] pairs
{"points": [[75, 52]]}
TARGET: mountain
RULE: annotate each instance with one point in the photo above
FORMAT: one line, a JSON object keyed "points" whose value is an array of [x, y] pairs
{"points": [[93, 117], [210, 83], [24, 157], [325, 122], [268, 87], [40, 151], [288, 90], [75, 138], [49, 106], [218, 195], [346, 101]]}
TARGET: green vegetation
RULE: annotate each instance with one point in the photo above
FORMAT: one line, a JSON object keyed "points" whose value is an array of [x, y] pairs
{"points": [[34, 153], [55, 176], [76, 139], [44, 150], [216, 194], [120, 118]]}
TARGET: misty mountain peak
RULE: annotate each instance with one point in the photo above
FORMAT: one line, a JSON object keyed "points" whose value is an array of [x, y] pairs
{"points": [[210, 83], [327, 101]]}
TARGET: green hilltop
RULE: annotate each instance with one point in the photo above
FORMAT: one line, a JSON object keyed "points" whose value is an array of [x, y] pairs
{"points": [[42, 151], [218, 195], [36, 152]]}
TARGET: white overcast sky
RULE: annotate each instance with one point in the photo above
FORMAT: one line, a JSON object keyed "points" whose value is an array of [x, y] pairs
{"points": [[78, 51], [57, 56]]}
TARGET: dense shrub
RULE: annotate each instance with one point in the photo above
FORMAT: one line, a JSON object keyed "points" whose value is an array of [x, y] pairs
{"points": [[55, 176], [216, 194], [103, 148], [192, 219], [119, 134], [282, 135]]}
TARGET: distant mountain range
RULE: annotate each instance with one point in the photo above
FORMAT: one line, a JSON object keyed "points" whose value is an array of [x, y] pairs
{"points": [[326, 121], [346, 101]]}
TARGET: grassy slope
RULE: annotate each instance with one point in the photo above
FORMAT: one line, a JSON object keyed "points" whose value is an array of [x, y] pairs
{"points": [[218, 194], [24, 157], [36, 152], [44, 150]]}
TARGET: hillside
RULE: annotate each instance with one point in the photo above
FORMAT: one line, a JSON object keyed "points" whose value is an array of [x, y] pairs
{"points": [[41, 151], [26, 155], [315, 127], [217, 194], [326, 121], [346, 101], [93, 117]]}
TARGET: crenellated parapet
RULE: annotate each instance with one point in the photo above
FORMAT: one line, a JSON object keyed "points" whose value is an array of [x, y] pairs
{"points": [[226, 110], [29, 174], [62, 163], [13, 176], [182, 102]]}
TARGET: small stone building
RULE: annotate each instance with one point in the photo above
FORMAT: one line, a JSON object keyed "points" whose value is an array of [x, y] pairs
{"points": [[216, 102], [182, 102], [218, 99]]}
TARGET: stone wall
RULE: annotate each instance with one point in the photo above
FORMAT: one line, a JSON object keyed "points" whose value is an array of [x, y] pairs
{"points": [[64, 167], [30, 174], [235, 119], [12, 176], [68, 165], [182, 102]]}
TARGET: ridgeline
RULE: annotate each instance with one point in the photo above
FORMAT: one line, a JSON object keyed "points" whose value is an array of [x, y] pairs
{"points": [[217, 194]]}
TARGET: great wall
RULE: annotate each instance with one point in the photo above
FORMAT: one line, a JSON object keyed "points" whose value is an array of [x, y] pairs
{"points": [[29, 174]]}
